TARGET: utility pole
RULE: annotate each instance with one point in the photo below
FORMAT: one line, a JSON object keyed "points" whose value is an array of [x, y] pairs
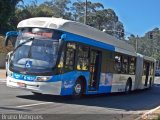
{"points": [[137, 43], [85, 15]]}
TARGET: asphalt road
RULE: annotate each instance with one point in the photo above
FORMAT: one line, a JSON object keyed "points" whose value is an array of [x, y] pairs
{"points": [[108, 106]]}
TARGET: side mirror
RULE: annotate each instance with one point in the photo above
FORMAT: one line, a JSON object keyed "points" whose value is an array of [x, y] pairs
{"points": [[63, 36], [11, 36]]}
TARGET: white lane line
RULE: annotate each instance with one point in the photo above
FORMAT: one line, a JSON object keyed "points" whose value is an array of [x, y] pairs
{"points": [[147, 113], [36, 104]]}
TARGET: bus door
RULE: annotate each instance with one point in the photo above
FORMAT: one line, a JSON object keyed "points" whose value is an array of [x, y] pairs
{"points": [[147, 73], [95, 67]]}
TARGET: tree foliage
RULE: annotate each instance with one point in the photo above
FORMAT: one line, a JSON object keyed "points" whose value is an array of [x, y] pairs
{"points": [[97, 15], [7, 8], [148, 45]]}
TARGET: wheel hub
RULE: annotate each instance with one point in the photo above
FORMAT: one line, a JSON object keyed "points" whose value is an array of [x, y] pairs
{"points": [[78, 88]]}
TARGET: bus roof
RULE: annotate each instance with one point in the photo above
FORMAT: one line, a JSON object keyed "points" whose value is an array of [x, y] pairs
{"points": [[149, 59], [79, 29], [146, 58]]}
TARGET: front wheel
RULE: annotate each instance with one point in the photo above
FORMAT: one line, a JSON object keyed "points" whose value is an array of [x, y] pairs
{"points": [[78, 89]]}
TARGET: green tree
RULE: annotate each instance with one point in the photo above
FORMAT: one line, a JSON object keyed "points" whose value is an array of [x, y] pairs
{"points": [[146, 45], [7, 8], [98, 17], [59, 7], [78, 9]]}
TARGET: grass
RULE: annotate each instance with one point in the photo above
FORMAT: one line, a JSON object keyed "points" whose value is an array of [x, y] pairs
{"points": [[158, 118]]}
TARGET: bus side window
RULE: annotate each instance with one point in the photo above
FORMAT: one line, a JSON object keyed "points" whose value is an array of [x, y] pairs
{"points": [[124, 64], [144, 68], [60, 65], [110, 62], [117, 63], [152, 69], [132, 62], [83, 58], [70, 56]]}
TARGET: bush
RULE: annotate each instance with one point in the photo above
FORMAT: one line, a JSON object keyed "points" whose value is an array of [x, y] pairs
{"points": [[5, 49]]}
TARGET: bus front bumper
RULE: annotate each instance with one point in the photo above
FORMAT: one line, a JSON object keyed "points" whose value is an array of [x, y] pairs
{"points": [[53, 88]]}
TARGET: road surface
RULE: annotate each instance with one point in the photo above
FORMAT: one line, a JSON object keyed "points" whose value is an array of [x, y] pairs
{"points": [[108, 106]]}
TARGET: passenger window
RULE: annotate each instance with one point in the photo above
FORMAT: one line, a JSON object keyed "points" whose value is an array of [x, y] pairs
{"points": [[132, 65], [60, 65], [152, 69], [70, 56], [117, 64], [83, 58], [110, 62], [124, 65], [144, 68]]}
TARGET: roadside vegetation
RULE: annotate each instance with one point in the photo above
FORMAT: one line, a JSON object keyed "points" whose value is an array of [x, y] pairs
{"points": [[149, 44], [158, 118], [4, 50]]}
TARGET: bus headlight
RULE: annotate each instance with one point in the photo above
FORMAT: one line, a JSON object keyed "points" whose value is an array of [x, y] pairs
{"points": [[43, 78], [9, 73]]}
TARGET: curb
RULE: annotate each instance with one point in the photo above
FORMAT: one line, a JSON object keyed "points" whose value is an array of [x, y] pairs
{"points": [[150, 115]]}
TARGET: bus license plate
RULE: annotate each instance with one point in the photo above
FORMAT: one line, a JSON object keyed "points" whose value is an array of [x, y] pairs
{"points": [[21, 84]]}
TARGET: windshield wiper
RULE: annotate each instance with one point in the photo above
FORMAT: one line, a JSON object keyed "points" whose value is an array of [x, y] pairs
{"points": [[28, 40]]}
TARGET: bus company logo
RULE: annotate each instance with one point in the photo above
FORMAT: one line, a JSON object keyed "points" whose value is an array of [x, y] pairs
{"points": [[28, 64], [17, 76], [68, 84]]}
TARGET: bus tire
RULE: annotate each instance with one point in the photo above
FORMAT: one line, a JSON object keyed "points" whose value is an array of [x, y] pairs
{"points": [[78, 89], [128, 86]]}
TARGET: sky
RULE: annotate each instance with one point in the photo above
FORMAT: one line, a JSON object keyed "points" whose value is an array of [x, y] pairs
{"points": [[137, 16]]}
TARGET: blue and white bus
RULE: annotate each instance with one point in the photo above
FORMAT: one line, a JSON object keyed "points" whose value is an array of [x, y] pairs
{"points": [[62, 57]]}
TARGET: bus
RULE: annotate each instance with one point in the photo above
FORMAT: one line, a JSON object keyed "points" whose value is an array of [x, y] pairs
{"points": [[62, 57]]}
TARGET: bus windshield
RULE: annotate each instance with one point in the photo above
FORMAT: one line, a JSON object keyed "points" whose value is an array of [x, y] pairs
{"points": [[36, 51]]}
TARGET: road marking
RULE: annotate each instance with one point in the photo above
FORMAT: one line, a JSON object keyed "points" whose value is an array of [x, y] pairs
{"points": [[30, 105], [147, 113]]}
